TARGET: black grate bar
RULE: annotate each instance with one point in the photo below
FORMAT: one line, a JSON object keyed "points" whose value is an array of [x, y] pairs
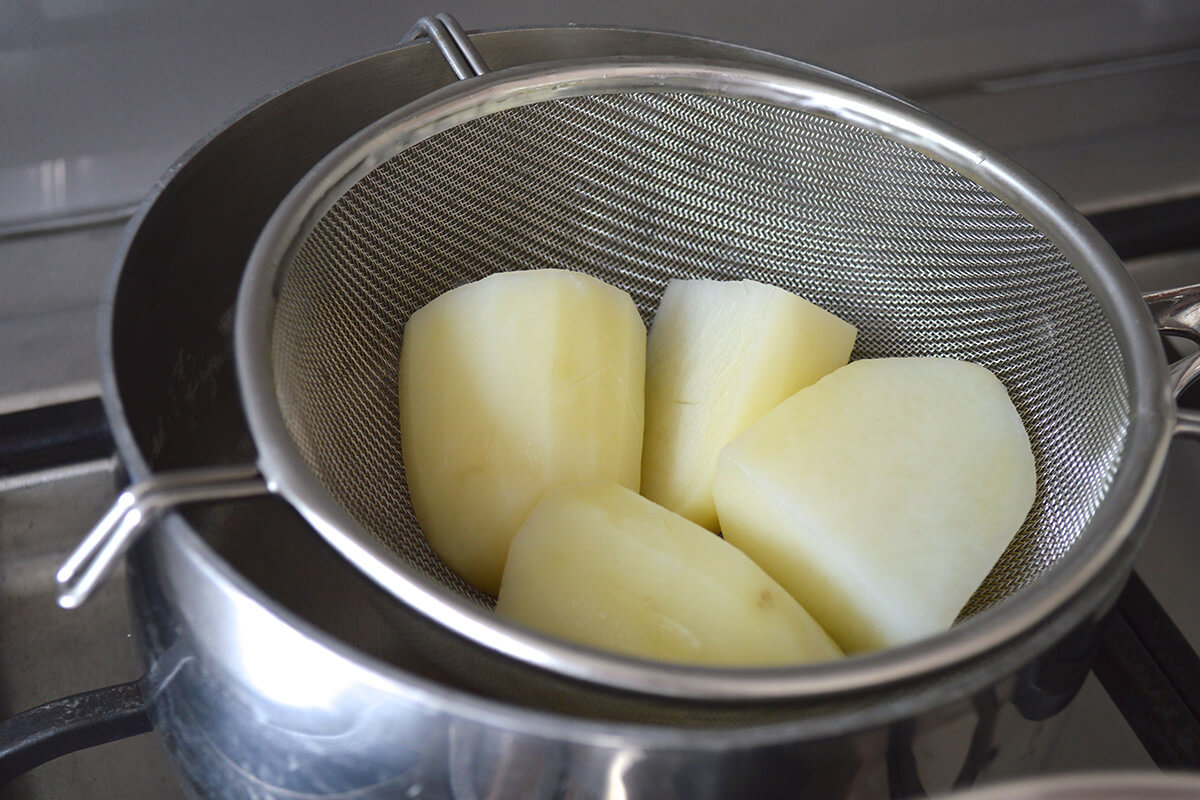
{"points": [[1150, 230], [54, 435], [1152, 674]]}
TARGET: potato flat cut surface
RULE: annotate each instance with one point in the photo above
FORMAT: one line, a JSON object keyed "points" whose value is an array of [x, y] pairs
{"points": [[605, 567], [510, 387], [719, 356], [881, 496]]}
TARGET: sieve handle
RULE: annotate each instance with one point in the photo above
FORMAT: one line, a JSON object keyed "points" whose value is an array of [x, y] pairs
{"points": [[1177, 313], [452, 42], [133, 512]]}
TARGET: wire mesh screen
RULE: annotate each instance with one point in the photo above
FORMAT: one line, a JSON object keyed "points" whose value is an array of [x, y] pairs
{"points": [[642, 187]]}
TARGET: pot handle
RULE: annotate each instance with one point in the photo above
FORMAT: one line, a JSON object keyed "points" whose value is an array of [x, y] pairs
{"points": [[134, 510], [1177, 313], [63, 726], [452, 42]]}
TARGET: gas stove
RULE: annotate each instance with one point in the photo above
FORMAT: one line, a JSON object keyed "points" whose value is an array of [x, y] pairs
{"points": [[1106, 117]]}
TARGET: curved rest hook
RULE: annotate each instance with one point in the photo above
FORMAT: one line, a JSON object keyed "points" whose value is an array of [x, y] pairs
{"points": [[453, 43], [1188, 424], [1177, 313], [134, 510]]}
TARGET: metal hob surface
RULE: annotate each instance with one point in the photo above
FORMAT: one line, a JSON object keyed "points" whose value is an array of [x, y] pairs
{"points": [[48, 653]]}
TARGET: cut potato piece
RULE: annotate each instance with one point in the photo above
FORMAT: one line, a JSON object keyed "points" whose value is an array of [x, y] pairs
{"points": [[602, 566], [720, 354], [510, 387], [882, 495]]}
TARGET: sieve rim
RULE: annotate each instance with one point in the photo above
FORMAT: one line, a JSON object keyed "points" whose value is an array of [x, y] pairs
{"points": [[1104, 542]]}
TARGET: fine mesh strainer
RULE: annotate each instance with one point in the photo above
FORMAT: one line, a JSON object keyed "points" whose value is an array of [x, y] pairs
{"points": [[637, 171]]}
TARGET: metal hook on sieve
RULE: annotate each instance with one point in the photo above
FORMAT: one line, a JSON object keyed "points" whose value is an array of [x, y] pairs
{"points": [[131, 515], [1177, 313], [453, 43]]}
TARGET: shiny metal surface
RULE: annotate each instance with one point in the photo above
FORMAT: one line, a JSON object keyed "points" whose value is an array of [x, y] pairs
{"points": [[1177, 313], [452, 42], [1189, 426], [378, 733], [224, 622], [135, 510]]}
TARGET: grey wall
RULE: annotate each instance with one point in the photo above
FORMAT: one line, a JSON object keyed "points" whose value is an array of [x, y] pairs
{"points": [[97, 97]]}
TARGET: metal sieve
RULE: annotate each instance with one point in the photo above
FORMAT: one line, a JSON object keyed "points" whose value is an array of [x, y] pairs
{"points": [[640, 170]]}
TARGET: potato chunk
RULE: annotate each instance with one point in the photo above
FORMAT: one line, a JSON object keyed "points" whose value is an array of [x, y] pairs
{"points": [[882, 495], [509, 387], [602, 566], [720, 354]]}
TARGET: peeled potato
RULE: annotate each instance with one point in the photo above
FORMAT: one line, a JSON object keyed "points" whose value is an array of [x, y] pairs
{"points": [[720, 354], [882, 495], [509, 387], [603, 566]]}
